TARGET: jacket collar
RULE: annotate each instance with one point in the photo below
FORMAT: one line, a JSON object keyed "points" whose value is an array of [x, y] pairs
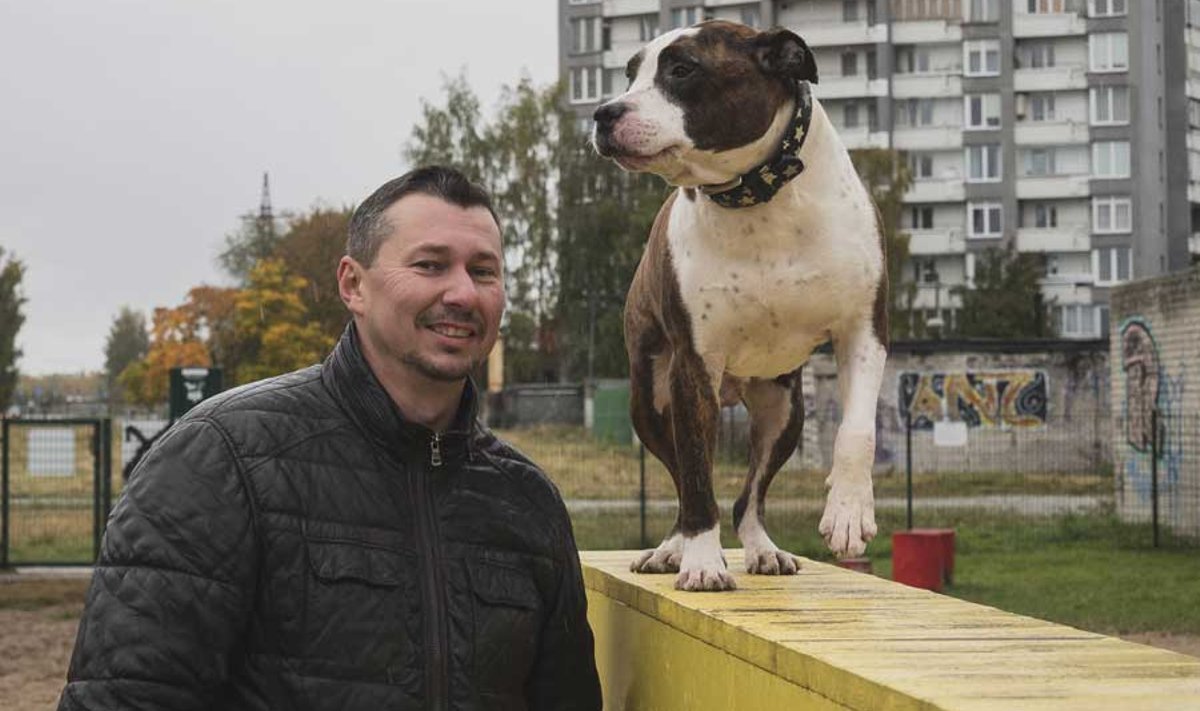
{"points": [[349, 377], [761, 183]]}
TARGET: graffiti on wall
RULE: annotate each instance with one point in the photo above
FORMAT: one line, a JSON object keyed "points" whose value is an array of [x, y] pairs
{"points": [[1148, 386], [988, 399]]}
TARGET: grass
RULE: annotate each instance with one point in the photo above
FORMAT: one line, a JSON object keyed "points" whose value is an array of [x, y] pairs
{"points": [[34, 594]]}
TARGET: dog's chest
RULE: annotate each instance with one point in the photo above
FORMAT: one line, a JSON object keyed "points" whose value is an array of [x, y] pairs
{"points": [[764, 287]]}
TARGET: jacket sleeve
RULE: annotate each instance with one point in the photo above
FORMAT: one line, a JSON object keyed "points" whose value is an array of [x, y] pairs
{"points": [[565, 678], [171, 592]]}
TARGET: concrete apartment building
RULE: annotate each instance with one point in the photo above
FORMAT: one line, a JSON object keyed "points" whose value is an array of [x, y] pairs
{"points": [[1065, 127]]}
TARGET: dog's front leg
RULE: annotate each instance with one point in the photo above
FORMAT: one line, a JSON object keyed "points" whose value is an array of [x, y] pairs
{"points": [[849, 520], [694, 415]]}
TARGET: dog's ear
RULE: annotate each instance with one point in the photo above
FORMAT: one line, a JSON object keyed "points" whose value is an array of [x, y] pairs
{"points": [[782, 52]]}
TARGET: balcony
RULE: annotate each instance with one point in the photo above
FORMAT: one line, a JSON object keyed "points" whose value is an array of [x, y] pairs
{"points": [[863, 138], [1058, 24], [1051, 132], [947, 82], [930, 242], [839, 34], [1050, 79], [1194, 191], [1053, 239], [1053, 186], [925, 31], [1193, 88], [620, 54], [937, 190], [928, 137], [613, 8], [849, 87]]}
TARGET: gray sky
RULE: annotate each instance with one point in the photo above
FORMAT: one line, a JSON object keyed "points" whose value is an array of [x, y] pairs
{"points": [[133, 133]]}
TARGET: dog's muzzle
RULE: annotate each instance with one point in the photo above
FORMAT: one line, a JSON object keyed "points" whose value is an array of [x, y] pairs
{"points": [[606, 118]]}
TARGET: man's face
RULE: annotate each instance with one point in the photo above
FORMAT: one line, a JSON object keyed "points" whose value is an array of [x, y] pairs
{"points": [[430, 304]]}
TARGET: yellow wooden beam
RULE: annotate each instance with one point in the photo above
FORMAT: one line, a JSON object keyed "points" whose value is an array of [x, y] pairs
{"points": [[830, 638]]}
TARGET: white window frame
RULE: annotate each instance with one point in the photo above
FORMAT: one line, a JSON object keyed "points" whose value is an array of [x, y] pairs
{"points": [[750, 15], [1111, 204], [989, 209], [1086, 318], [989, 173], [1104, 97], [983, 48], [915, 159], [1048, 101], [648, 27], [1112, 256], [689, 15], [1103, 55], [1046, 7], [1108, 8], [591, 34], [917, 215], [850, 117], [587, 81], [989, 111], [1051, 167], [1049, 211], [989, 10], [1115, 150]]}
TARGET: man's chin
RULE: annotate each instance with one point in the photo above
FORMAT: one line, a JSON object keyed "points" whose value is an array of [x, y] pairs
{"points": [[446, 370]]}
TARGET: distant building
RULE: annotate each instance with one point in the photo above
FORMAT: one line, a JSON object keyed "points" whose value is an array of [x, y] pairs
{"points": [[1068, 127]]}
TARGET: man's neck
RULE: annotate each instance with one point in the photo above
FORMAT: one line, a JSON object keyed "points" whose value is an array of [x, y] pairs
{"points": [[422, 400]]}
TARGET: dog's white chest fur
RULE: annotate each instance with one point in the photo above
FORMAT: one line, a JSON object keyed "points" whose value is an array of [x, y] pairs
{"points": [[765, 285]]}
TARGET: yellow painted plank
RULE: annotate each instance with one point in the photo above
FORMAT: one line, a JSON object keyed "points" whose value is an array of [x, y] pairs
{"points": [[860, 642]]}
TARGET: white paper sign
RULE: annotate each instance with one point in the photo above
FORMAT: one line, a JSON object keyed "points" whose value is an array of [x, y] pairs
{"points": [[949, 434]]}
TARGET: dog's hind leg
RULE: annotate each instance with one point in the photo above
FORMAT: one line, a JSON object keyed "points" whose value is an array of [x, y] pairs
{"points": [[776, 408]]}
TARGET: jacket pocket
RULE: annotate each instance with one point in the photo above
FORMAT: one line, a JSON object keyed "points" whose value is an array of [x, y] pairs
{"points": [[362, 612], [508, 620]]}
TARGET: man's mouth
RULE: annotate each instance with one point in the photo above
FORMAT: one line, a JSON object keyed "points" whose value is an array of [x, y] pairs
{"points": [[450, 330]]}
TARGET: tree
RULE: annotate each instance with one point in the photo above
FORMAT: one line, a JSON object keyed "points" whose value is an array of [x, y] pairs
{"points": [[311, 249], [449, 134], [175, 342], [127, 343], [270, 314], [886, 177], [1006, 300], [11, 319], [211, 312]]}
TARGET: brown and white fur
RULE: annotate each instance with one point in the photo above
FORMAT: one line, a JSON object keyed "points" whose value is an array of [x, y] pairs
{"points": [[728, 304]]}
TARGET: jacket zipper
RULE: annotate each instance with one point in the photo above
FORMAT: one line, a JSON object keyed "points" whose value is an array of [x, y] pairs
{"points": [[437, 666]]}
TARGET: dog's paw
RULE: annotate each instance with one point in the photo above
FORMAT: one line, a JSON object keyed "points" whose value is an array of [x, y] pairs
{"points": [[770, 561], [703, 564], [849, 519], [664, 559]]}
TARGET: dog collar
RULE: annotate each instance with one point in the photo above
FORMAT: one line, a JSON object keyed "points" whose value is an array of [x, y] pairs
{"points": [[760, 184]]}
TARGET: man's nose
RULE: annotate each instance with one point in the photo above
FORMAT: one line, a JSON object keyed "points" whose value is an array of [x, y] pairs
{"points": [[607, 115], [461, 288]]}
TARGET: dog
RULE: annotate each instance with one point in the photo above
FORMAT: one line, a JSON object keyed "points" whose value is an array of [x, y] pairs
{"points": [[769, 246]]}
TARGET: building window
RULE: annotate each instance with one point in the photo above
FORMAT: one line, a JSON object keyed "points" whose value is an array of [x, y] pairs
{"points": [[1111, 265], [983, 163], [585, 85], [1041, 107], [1046, 7], [1082, 320], [981, 10], [982, 111], [925, 271], [1109, 51], [914, 112], [984, 219], [686, 16], [1106, 8], [1039, 162], [614, 80], [1110, 159], [585, 33], [1036, 55], [1112, 215], [912, 60], [1110, 105], [981, 58], [921, 217], [648, 27], [750, 15], [849, 10], [920, 166], [850, 115], [849, 64], [1039, 215]]}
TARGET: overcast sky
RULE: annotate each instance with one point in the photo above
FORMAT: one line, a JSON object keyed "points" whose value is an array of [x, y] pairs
{"points": [[133, 133]]}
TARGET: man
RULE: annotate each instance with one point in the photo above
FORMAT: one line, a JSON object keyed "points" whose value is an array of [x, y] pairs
{"points": [[348, 536]]}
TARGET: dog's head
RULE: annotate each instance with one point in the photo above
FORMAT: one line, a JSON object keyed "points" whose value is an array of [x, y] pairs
{"points": [[702, 102]]}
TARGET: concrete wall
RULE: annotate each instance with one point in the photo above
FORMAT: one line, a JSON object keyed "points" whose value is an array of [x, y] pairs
{"points": [[1155, 344], [1036, 408]]}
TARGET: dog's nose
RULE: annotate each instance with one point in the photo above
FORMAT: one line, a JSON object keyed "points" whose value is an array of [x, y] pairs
{"points": [[607, 115]]}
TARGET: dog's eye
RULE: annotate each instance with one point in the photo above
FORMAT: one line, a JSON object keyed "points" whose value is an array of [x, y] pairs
{"points": [[682, 70]]}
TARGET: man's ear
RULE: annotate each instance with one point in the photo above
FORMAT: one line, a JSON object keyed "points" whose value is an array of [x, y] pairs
{"points": [[350, 285], [783, 53]]}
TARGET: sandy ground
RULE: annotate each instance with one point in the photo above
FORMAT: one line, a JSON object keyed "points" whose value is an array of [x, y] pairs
{"points": [[38, 619]]}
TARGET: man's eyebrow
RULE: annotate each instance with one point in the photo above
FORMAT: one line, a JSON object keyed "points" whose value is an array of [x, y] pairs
{"points": [[442, 250]]}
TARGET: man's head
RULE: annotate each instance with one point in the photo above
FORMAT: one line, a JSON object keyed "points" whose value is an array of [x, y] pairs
{"points": [[701, 100], [423, 275]]}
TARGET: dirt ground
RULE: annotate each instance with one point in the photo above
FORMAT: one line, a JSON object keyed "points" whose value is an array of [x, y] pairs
{"points": [[38, 619]]}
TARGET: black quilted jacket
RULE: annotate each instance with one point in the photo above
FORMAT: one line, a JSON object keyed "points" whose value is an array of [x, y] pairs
{"points": [[294, 544]]}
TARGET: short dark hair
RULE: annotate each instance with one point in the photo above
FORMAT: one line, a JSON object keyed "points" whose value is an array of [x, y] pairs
{"points": [[368, 226]]}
